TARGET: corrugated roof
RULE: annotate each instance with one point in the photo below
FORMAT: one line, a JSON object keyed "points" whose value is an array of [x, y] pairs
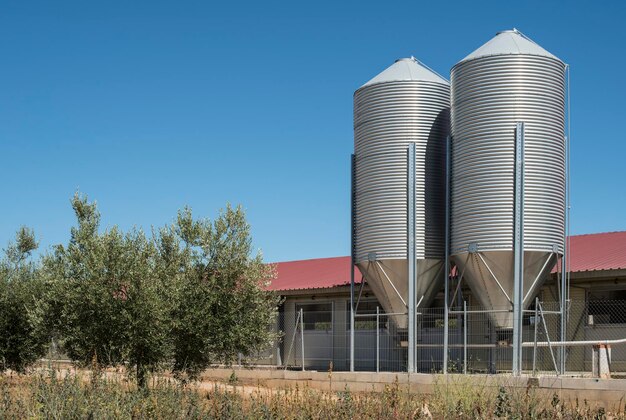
{"points": [[592, 252], [509, 42], [407, 69], [320, 273], [597, 251]]}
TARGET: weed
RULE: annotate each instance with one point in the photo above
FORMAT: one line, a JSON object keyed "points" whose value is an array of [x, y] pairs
{"points": [[56, 396], [232, 379], [503, 403]]}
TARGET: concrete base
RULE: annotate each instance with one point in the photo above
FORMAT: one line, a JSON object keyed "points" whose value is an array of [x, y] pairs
{"points": [[608, 393], [601, 361]]}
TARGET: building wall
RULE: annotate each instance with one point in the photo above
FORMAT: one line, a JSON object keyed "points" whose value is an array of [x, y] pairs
{"points": [[321, 347]]}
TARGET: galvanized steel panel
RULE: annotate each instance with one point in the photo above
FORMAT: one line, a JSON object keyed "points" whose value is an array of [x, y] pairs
{"points": [[387, 117], [492, 90], [406, 103], [489, 96], [509, 42]]}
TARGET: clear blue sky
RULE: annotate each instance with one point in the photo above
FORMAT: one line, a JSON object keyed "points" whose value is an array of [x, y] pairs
{"points": [[148, 106]]}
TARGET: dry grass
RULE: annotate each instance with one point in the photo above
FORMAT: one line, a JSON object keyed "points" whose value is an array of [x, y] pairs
{"points": [[76, 395]]}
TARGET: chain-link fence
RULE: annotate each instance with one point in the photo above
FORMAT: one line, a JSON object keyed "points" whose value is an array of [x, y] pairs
{"points": [[317, 337]]}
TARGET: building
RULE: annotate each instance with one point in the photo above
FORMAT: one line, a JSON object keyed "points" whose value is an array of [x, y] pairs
{"points": [[319, 289]]}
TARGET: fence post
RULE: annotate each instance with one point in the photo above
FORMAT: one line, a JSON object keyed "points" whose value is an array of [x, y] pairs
{"points": [[293, 341], [545, 327], [302, 337], [446, 261], [465, 337], [536, 327], [352, 231], [377, 339]]}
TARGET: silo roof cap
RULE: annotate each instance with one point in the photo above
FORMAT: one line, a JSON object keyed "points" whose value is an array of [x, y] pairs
{"points": [[407, 69], [509, 42]]}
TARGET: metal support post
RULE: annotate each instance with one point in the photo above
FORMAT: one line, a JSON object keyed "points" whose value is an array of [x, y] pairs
{"points": [[465, 337], [566, 216], [352, 257], [302, 337], [518, 246], [563, 321], [377, 339], [545, 328], [460, 331], [492, 351], [564, 291], [446, 262], [411, 256], [535, 340], [293, 341]]}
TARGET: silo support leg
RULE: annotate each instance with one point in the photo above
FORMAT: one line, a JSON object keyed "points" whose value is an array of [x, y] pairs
{"points": [[446, 261], [352, 257], [518, 250], [411, 256]]}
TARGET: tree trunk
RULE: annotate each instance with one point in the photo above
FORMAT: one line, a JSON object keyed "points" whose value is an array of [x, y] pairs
{"points": [[141, 375]]}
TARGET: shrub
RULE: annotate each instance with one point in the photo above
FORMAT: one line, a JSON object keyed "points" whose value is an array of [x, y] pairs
{"points": [[23, 340]]}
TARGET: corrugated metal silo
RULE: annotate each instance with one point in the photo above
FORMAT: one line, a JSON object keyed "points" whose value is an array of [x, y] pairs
{"points": [[406, 103], [508, 80]]}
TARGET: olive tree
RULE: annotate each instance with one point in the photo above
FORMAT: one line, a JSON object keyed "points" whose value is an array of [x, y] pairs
{"points": [[109, 304], [189, 295], [22, 340], [222, 307]]}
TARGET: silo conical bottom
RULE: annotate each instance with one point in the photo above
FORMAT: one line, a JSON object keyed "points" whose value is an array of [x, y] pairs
{"points": [[388, 279], [486, 289]]}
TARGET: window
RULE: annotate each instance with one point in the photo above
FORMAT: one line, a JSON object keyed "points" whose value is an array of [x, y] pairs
{"points": [[606, 307], [366, 307], [316, 316]]}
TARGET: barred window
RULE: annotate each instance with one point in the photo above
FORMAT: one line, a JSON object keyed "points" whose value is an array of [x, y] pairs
{"points": [[366, 323], [317, 316], [606, 307]]}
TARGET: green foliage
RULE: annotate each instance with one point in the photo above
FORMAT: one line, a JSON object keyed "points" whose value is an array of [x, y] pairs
{"points": [[110, 302], [503, 404], [222, 308], [188, 296], [232, 379], [25, 243], [22, 340]]}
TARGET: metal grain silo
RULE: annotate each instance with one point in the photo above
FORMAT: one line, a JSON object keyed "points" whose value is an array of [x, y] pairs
{"points": [[508, 80], [407, 103]]}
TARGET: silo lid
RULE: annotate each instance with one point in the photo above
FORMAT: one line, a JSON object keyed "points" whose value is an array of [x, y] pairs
{"points": [[407, 69], [509, 42]]}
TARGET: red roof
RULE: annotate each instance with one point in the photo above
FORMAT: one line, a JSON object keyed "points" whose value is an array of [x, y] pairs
{"points": [[597, 251], [313, 274], [593, 252]]}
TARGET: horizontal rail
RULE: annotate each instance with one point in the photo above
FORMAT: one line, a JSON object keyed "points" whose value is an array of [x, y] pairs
{"points": [[532, 343], [482, 311], [532, 311], [574, 343], [460, 346], [381, 314]]}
